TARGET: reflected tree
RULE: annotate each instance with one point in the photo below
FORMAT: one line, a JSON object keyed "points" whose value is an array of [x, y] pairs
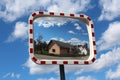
{"points": [[40, 46]]}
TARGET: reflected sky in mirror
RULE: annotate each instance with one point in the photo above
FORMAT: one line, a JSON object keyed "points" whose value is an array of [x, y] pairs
{"points": [[62, 29], [58, 37]]}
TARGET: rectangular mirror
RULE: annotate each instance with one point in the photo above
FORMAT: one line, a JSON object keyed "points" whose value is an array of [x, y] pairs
{"points": [[58, 38]]}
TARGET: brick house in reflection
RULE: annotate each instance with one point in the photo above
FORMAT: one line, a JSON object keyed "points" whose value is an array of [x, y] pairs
{"points": [[58, 47]]}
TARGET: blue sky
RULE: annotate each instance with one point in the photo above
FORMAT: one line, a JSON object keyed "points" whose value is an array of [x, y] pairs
{"points": [[63, 29], [15, 61]]}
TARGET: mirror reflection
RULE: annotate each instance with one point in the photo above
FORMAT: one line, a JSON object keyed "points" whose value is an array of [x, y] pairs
{"points": [[60, 38]]}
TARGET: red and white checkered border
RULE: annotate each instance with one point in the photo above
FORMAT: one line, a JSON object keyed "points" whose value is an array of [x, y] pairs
{"points": [[90, 27]]}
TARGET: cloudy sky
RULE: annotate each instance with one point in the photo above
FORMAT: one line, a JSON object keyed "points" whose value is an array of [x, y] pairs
{"points": [[15, 61], [62, 29]]}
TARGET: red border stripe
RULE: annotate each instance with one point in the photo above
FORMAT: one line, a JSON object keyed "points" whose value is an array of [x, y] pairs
{"points": [[31, 31], [75, 62], [86, 62], [89, 18], [92, 26], [95, 52], [65, 62], [34, 59], [41, 13], [31, 50], [31, 21], [94, 43], [31, 40], [81, 15], [34, 14], [72, 15], [52, 13], [54, 62], [93, 34], [61, 14], [42, 62], [93, 60]]}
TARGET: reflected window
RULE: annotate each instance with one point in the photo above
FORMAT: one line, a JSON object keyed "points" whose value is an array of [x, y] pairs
{"points": [[53, 50]]}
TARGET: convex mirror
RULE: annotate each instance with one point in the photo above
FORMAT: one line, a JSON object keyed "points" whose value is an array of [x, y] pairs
{"points": [[59, 38]]}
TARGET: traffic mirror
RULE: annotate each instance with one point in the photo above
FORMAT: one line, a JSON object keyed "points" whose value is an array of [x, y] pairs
{"points": [[59, 38]]}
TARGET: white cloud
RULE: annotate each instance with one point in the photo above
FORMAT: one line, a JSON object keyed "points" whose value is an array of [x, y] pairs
{"points": [[106, 60], [85, 34], [74, 40], [42, 79], [113, 74], [110, 38], [69, 6], [85, 78], [71, 32], [47, 22], [60, 39], [52, 78], [40, 69], [47, 79], [110, 9], [20, 31], [77, 26], [18, 76], [14, 9], [12, 75], [54, 39], [6, 75]]}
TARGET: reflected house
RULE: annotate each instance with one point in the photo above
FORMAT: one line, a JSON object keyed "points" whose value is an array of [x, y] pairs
{"points": [[58, 47], [83, 50]]}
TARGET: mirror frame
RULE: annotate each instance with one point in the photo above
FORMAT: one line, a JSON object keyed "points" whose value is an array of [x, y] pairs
{"points": [[82, 17]]}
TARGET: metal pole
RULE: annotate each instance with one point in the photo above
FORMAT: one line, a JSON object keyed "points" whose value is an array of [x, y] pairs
{"points": [[62, 72]]}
